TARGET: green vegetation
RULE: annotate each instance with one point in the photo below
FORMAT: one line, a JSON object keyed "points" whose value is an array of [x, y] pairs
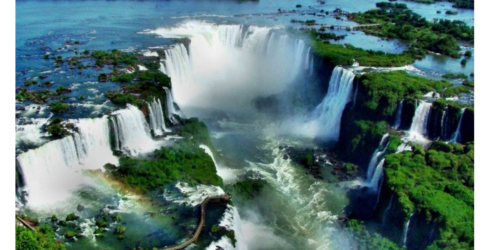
{"points": [[366, 240], [71, 217], [455, 76], [347, 54], [247, 189], [56, 129], [438, 183], [122, 78], [465, 4], [120, 230], [215, 229], [196, 130], [387, 88], [183, 161], [397, 21], [41, 239], [115, 57], [58, 107], [150, 84], [366, 133]]}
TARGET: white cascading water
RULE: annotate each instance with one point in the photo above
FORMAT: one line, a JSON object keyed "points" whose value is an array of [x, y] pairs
{"points": [[229, 64], [399, 112], [169, 106], [133, 131], [52, 171], [228, 175], [156, 118], [115, 133], [377, 175], [407, 227], [443, 127], [418, 129], [325, 119], [456, 135], [419, 123], [375, 156]]}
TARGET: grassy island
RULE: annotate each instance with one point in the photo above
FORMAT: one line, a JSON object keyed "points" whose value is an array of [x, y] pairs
{"points": [[397, 21], [347, 54]]}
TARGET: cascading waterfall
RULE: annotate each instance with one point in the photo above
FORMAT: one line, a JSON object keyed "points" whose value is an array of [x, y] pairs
{"points": [[115, 133], [443, 123], [156, 118], [355, 97], [325, 119], [230, 64], [386, 211], [52, 171], [133, 131], [375, 156], [169, 106], [456, 135], [397, 122], [377, 175], [308, 60], [407, 229], [418, 129]]}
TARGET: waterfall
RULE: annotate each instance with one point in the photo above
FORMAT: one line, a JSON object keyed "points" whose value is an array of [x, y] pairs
{"points": [[386, 211], [311, 66], [456, 135], [52, 171], [379, 185], [407, 229], [419, 123], [376, 154], [308, 61], [156, 118], [115, 133], [169, 106], [327, 116], [443, 123], [355, 96], [133, 131], [227, 66], [377, 175], [177, 65], [397, 123]]}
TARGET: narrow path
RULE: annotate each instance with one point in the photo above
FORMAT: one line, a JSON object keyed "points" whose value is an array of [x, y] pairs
{"points": [[223, 198], [25, 223]]}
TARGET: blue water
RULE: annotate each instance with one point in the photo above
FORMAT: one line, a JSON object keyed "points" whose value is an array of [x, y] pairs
{"points": [[53, 26]]}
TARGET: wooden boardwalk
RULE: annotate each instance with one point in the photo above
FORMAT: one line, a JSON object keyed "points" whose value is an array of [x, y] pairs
{"points": [[224, 198]]}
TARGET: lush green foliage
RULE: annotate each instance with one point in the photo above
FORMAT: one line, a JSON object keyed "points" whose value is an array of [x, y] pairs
{"points": [[195, 130], [397, 21], [387, 88], [347, 54], [366, 240], [440, 184], [150, 85], [247, 189], [183, 161], [55, 128], [115, 58], [58, 107], [366, 132], [41, 239], [466, 4], [455, 76], [123, 78]]}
